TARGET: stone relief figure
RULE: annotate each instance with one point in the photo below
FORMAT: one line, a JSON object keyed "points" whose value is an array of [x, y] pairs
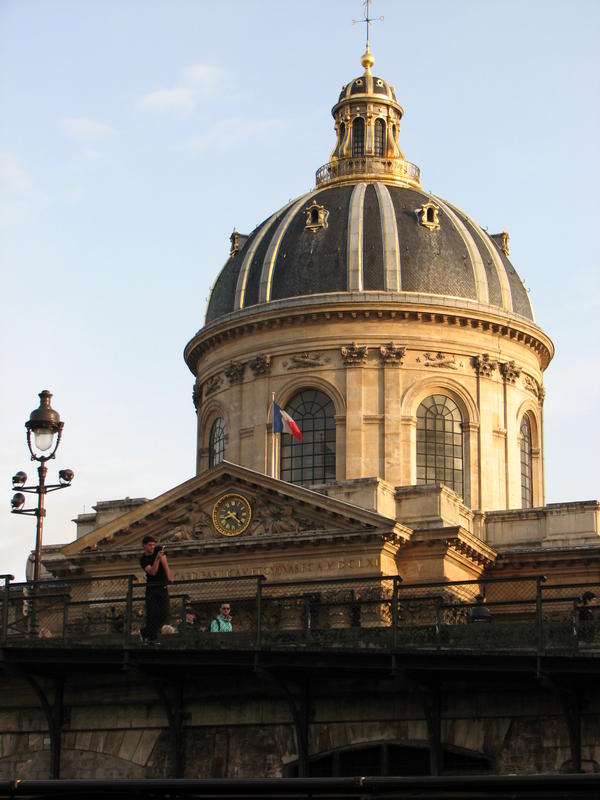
{"points": [[181, 532], [441, 360], [212, 385], [305, 360], [271, 519], [355, 354], [187, 527], [532, 385], [197, 395]]}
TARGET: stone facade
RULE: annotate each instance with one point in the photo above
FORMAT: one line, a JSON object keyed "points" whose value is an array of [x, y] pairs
{"points": [[376, 400]]}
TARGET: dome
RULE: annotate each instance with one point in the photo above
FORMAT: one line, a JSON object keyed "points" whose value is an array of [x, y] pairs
{"points": [[369, 84], [369, 306], [369, 238], [368, 231]]}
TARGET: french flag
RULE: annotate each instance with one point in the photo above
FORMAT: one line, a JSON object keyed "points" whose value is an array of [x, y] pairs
{"points": [[283, 423]]}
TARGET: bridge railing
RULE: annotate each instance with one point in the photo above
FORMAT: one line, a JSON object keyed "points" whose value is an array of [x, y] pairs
{"points": [[524, 613]]}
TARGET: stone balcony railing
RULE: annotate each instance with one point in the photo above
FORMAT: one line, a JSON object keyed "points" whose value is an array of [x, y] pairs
{"points": [[396, 170]]}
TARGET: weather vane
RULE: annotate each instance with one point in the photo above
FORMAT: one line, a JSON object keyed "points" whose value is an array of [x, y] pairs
{"points": [[369, 20]]}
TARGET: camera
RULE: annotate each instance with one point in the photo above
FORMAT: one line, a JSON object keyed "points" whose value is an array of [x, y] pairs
{"points": [[158, 548]]}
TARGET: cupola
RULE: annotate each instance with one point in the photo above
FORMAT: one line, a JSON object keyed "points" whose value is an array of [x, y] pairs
{"points": [[367, 124]]}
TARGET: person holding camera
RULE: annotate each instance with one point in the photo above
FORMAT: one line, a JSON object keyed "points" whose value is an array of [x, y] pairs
{"points": [[155, 565]]}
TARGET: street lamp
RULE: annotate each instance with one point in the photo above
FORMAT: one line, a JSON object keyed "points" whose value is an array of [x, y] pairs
{"points": [[45, 427]]}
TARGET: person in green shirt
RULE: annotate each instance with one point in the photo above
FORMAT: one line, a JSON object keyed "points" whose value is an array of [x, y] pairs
{"points": [[222, 622]]}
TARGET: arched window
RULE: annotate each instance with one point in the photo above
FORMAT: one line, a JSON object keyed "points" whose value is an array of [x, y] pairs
{"points": [[440, 443], [358, 137], [216, 442], [379, 136], [526, 465], [313, 459], [341, 139]]}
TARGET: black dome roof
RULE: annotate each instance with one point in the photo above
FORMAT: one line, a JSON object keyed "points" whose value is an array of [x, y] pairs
{"points": [[369, 239]]}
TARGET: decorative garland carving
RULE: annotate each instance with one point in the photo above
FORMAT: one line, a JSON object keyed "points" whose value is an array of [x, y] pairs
{"points": [[441, 360], [235, 371], [197, 395], [260, 365], [354, 354], [484, 365], [392, 354], [541, 395], [532, 386], [305, 360], [510, 371], [212, 385]]}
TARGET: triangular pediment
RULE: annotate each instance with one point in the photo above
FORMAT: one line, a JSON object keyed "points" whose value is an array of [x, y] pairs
{"points": [[280, 513]]}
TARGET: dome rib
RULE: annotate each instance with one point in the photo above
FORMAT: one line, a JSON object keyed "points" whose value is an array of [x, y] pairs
{"points": [[355, 238], [372, 241], [481, 284], [391, 242], [505, 290], [240, 290], [268, 267]]}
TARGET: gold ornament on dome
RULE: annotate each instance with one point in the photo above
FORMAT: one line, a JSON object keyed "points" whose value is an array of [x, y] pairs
{"points": [[316, 217], [235, 242], [429, 216]]}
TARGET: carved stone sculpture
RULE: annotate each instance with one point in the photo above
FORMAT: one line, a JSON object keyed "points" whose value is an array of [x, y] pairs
{"points": [[260, 365], [484, 365], [235, 371], [354, 354], [392, 354]]}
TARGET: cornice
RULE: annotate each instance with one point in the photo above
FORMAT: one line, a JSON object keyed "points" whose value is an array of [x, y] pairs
{"points": [[220, 547], [564, 557], [459, 541], [419, 309]]}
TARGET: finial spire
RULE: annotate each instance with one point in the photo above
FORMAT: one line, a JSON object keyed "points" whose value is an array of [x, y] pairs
{"points": [[367, 59]]}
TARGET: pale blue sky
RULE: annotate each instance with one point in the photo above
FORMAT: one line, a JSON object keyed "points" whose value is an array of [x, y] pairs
{"points": [[136, 133]]}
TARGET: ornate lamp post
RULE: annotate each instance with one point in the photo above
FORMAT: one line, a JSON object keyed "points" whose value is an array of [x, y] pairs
{"points": [[46, 427]]}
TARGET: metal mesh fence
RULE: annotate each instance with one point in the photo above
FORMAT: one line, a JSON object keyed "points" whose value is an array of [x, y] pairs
{"points": [[521, 613]]}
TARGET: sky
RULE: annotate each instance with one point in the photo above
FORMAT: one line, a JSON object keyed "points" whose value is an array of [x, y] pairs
{"points": [[135, 134]]}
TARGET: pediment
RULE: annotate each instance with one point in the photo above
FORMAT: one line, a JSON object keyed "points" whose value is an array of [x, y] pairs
{"points": [[182, 518]]}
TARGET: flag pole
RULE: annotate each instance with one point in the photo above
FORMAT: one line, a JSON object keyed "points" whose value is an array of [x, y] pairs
{"points": [[273, 435]]}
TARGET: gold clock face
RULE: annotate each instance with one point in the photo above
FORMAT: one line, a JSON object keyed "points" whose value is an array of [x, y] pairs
{"points": [[231, 514]]}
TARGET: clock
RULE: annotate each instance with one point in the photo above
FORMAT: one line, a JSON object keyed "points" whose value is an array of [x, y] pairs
{"points": [[231, 514]]}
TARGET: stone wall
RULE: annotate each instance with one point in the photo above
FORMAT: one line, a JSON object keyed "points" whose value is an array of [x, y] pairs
{"points": [[115, 725]]}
